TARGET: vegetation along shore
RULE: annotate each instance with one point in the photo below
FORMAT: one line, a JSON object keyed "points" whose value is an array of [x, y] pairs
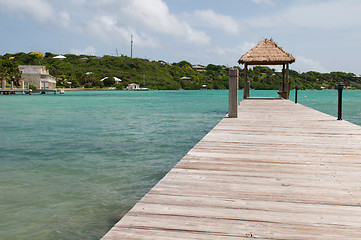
{"points": [[91, 72]]}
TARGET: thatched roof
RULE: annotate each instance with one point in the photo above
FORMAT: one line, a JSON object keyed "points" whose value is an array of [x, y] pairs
{"points": [[266, 53]]}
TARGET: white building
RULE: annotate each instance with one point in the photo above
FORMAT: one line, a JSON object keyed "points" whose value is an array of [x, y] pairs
{"points": [[199, 68], [117, 80], [37, 76], [133, 86]]}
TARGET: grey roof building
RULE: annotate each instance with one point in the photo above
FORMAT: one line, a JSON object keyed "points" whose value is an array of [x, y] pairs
{"points": [[37, 76]]}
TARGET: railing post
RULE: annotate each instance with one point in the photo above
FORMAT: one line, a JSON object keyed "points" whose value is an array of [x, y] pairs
{"points": [[233, 92], [340, 88], [245, 91], [248, 89], [296, 90]]}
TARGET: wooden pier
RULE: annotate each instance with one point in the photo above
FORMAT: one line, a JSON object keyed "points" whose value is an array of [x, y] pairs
{"points": [[42, 91], [279, 171], [8, 91]]}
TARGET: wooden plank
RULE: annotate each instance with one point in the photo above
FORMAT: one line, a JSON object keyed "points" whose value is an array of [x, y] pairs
{"points": [[160, 234], [279, 171]]}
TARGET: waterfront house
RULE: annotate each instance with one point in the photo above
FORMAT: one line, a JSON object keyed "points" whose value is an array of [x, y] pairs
{"points": [[37, 76], [132, 86], [186, 79], [199, 68]]}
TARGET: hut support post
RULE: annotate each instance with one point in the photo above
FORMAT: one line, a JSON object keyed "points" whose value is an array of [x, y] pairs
{"points": [[288, 87], [233, 92], [245, 91], [248, 88], [282, 84], [3, 84]]}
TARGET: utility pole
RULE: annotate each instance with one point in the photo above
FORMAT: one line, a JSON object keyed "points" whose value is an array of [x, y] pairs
{"points": [[116, 51], [131, 46]]}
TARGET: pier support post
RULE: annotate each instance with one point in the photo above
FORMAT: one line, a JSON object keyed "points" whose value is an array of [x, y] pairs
{"points": [[29, 89], [287, 82], [283, 84], [339, 112], [245, 90], [248, 89], [233, 92]]}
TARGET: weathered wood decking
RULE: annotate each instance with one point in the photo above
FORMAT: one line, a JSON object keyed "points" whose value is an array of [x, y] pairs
{"points": [[278, 171]]}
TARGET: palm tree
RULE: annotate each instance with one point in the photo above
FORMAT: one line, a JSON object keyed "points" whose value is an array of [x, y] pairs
{"points": [[16, 77]]}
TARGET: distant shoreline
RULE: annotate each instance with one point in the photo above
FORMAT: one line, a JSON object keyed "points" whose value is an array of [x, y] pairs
{"points": [[107, 89], [89, 89]]}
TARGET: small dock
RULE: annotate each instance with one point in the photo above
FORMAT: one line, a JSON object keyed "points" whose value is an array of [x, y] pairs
{"points": [[7, 91], [42, 91], [279, 171]]}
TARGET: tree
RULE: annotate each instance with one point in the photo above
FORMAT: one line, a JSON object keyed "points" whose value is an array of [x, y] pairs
{"points": [[109, 82], [9, 72], [36, 57], [85, 71]]}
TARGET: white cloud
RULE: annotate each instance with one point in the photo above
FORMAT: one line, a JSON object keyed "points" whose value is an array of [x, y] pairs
{"points": [[155, 15], [304, 64], [40, 10], [267, 2], [107, 29], [64, 18], [232, 52], [110, 19], [324, 15], [77, 2], [219, 21], [246, 46], [227, 55], [86, 51]]}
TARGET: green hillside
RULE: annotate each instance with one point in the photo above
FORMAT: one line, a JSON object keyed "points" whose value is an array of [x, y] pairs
{"points": [[86, 71]]}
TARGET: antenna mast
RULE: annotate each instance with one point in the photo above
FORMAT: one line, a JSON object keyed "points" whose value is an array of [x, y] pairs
{"points": [[131, 46]]}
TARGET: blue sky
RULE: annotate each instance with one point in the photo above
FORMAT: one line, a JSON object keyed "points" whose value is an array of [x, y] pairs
{"points": [[322, 35]]}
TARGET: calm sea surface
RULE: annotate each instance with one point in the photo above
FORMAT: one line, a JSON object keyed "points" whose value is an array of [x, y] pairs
{"points": [[72, 165]]}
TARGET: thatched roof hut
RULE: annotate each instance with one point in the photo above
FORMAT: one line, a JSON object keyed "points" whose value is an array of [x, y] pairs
{"points": [[266, 53]]}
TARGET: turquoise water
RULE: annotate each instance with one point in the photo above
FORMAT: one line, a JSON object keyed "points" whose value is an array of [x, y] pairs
{"points": [[72, 165], [326, 101]]}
